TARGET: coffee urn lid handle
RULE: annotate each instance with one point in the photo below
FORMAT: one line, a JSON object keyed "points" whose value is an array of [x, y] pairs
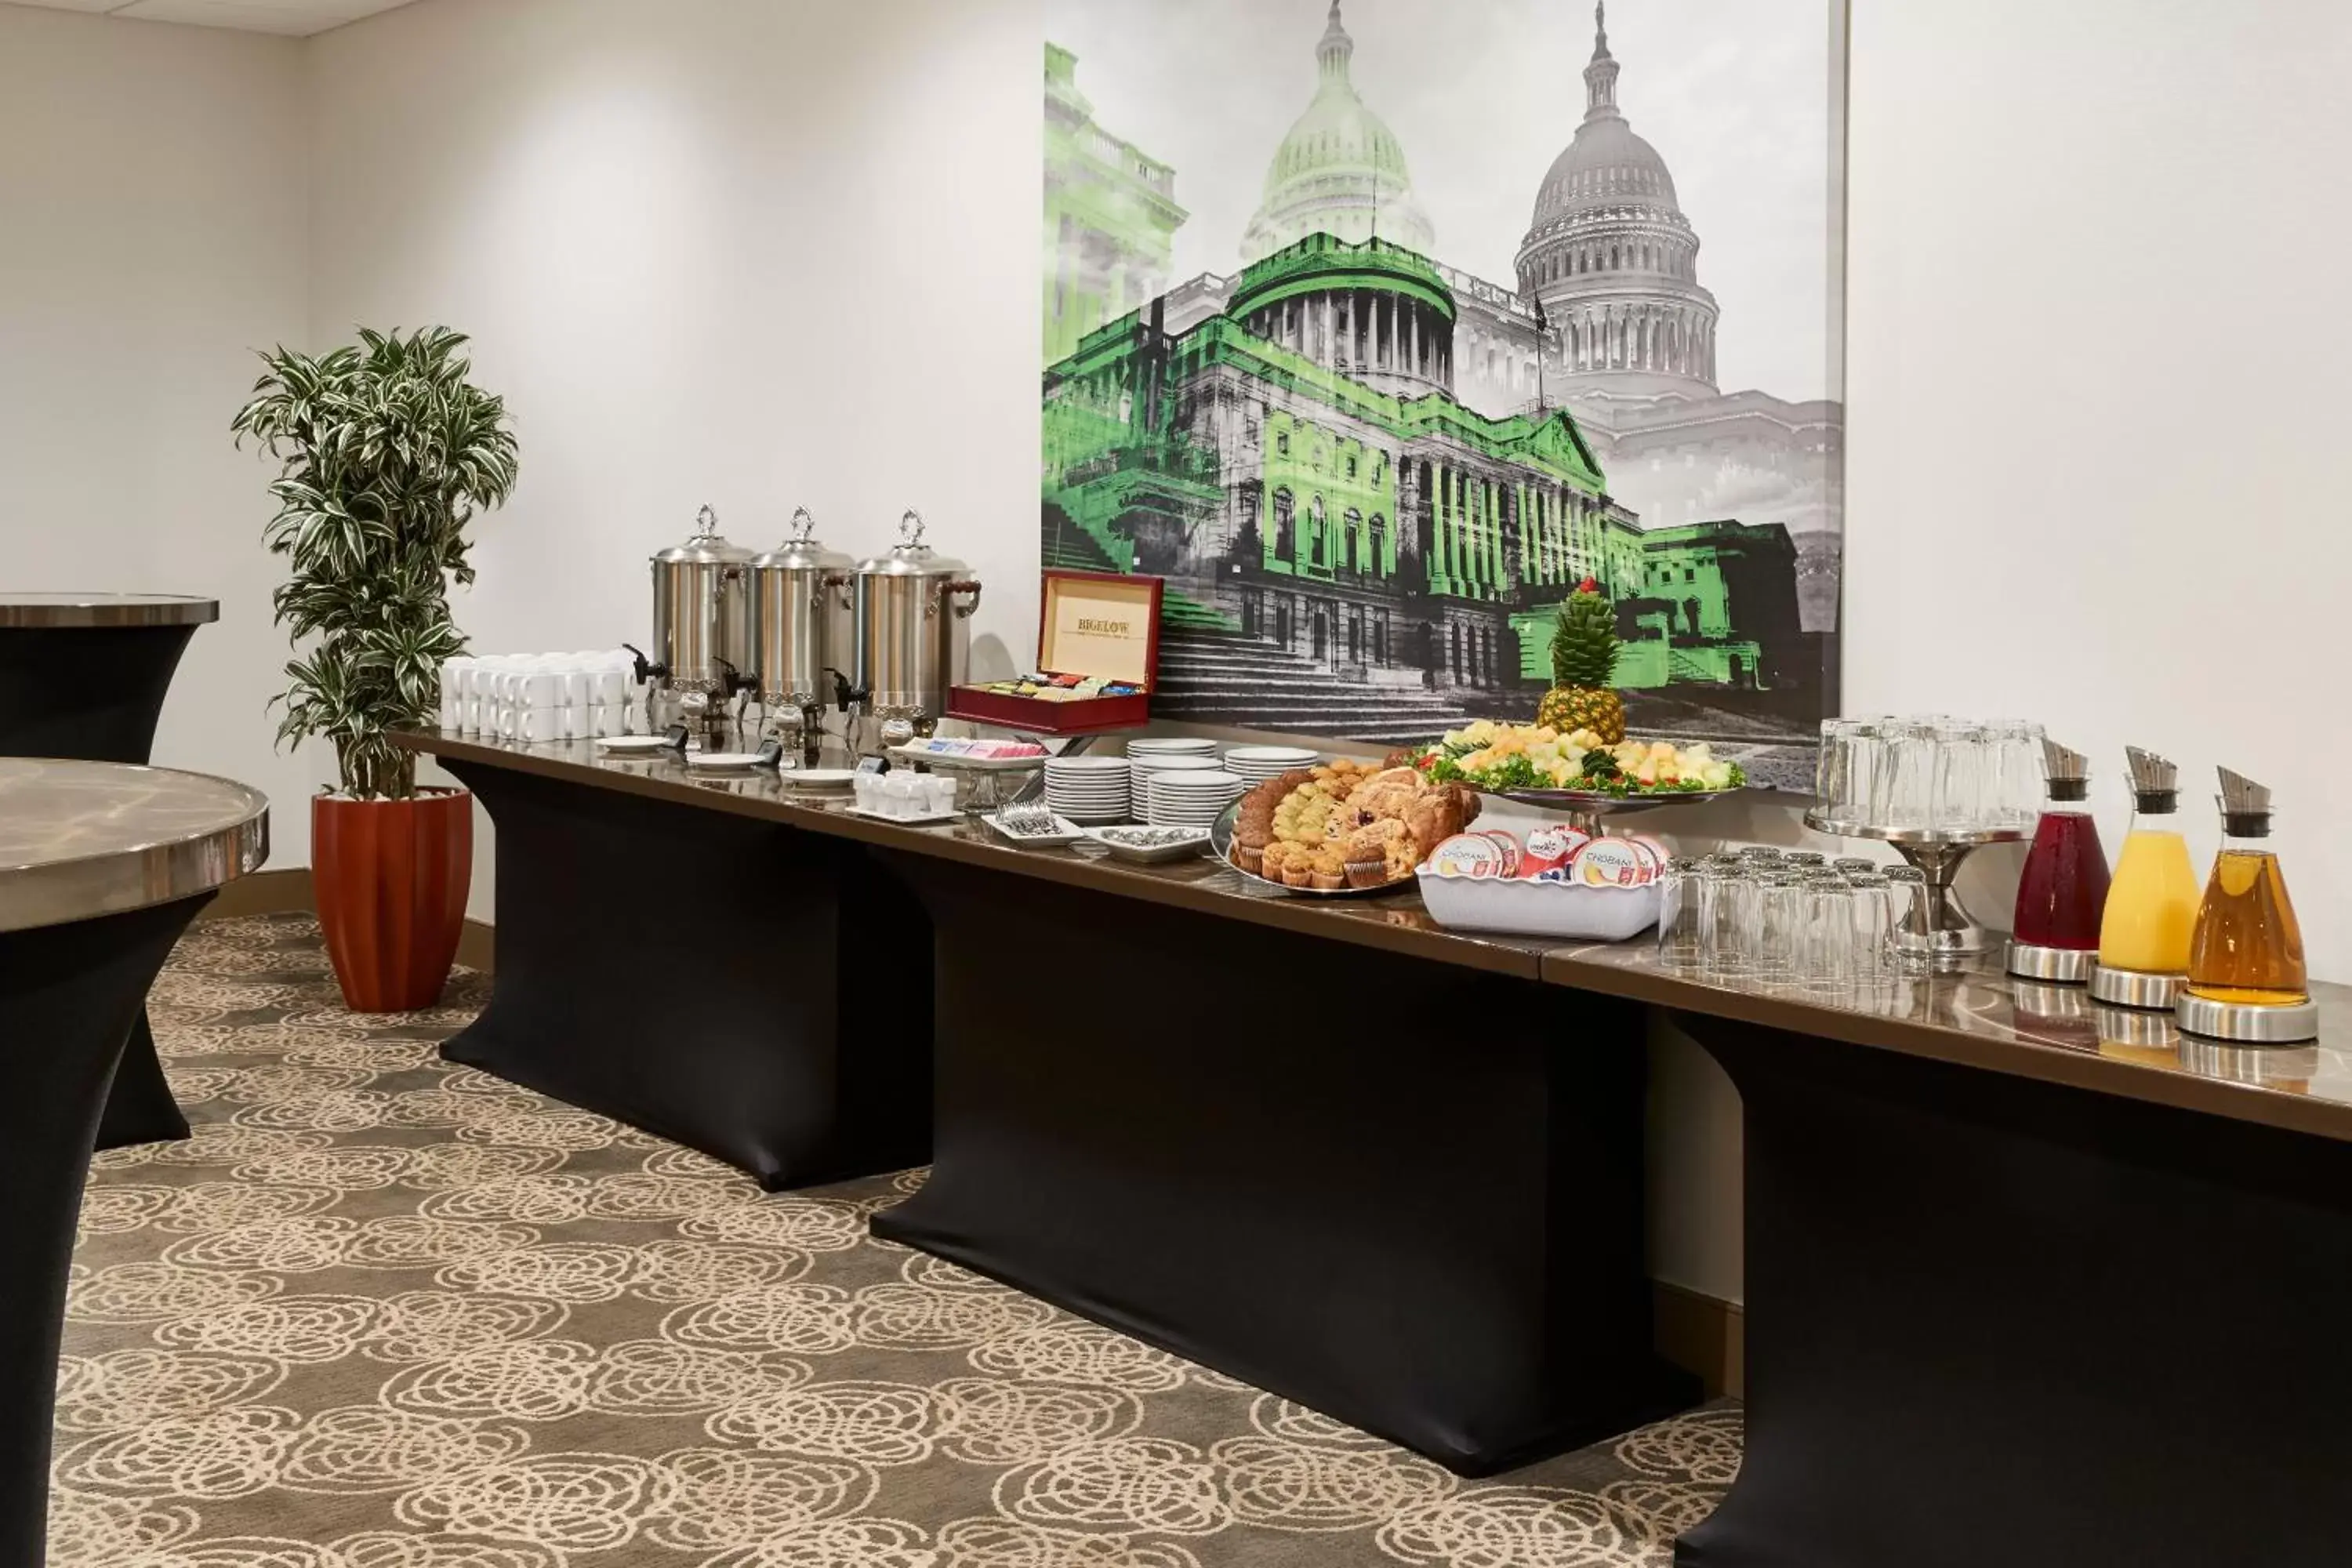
{"points": [[910, 529], [706, 522], [803, 526]]}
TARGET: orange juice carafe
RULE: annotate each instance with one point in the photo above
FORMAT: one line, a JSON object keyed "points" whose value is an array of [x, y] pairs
{"points": [[2150, 917], [2246, 979]]}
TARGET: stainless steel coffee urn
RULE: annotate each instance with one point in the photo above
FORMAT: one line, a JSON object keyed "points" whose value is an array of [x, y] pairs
{"points": [[911, 607], [702, 623], [801, 624]]}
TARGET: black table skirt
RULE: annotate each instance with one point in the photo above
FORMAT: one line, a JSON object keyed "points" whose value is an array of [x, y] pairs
{"points": [[95, 693], [1406, 1194], [1994, 1321], [747, 989], [67, 997]]}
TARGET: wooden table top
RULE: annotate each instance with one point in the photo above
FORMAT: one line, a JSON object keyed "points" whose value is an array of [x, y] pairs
{"points": [[1977, 1018]]}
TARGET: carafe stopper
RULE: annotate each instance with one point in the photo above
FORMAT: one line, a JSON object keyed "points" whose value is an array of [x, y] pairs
{"points": [[2156, 782], [2068, 771], [2245, 806]]}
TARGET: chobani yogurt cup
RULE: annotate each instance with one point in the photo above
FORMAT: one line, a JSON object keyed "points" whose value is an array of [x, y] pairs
{"points": [[1612, 863], [1468, 855]]}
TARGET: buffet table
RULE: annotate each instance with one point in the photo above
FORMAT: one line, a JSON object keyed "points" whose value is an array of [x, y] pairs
{"points": [[2026, 1283], [84, 675], [729, 981], [102, 867], [1303, 1142], [2029, 1281]]}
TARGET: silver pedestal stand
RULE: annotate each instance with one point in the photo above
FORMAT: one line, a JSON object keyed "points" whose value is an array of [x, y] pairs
{"points": [[1587, 810], [1943, 929]]}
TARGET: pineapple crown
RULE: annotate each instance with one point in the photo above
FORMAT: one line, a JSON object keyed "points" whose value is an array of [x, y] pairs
{"points": [[1584, 641]]}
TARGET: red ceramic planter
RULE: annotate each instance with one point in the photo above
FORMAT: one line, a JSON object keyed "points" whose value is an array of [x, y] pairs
{"points": [[391, 877]]}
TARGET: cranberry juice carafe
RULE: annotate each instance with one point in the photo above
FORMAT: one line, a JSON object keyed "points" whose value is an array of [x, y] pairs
{"points": [[2246, 979], [2151, 911], [2065, 888]]}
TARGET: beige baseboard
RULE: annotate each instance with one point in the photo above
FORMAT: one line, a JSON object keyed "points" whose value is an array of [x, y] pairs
{"points": [[280, 892], [289, 891], [477, 945], [1701, 1334]]}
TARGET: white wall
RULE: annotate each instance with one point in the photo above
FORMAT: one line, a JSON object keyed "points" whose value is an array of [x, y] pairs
{"points": [[741, 254], [2095, 393], [152, 188]]}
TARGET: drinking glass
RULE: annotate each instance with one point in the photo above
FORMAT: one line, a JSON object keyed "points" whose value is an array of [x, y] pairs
{"points": [[1866, 756], [2015, 790], [1761, 854], [1911, 908], [1874, 915], [1832, 774], [1779, 921], [1825, 962], [1903, 790], [1725, 888], [1960, 756], [1679, 925], [1851, 865], [1805, 860]]}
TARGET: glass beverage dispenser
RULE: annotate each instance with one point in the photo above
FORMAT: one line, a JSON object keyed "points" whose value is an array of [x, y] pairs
{"points": [[2151, 910], [2246, 978], [2065, 888]]}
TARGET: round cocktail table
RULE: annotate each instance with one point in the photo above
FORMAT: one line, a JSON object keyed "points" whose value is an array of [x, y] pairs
{"points": [[83, 675], [101, 867]]}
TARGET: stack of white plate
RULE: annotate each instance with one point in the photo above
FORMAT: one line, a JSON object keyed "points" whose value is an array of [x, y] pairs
{"points": [[1146, 766], [1193, 798], [1170, 746], [1256, 764], [1088, 790]]}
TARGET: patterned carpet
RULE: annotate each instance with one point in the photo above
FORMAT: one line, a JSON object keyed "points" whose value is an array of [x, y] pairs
{"points": [[383, 1312]]}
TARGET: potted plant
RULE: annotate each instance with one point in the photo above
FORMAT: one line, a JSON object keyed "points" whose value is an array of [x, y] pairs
{"points": [[387, 451]]}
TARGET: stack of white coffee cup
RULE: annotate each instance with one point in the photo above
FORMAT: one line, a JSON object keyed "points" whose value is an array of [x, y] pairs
{"points": [[541, 697]]}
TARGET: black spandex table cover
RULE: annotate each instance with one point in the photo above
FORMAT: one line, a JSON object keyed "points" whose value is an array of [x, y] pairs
{"points": [[95, 692], [747, 989], [67, 995], [1993, 1321], [1404, 1194]]}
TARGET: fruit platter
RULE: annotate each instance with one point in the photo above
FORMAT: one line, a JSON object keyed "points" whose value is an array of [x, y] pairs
{"points": [[1576, 757], [1544, 766]]}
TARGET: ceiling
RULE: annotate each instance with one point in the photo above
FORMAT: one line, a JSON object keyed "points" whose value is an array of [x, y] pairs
{"points": [[294, 18]]}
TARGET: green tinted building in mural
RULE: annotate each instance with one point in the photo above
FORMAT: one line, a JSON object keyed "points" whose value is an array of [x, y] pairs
{"points": [[1349, 549], [1110, 215]]}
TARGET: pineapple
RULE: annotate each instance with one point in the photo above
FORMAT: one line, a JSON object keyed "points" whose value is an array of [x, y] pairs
{"points": [[1583, 662]]}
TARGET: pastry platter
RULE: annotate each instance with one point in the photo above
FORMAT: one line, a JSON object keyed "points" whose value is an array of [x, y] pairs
{"points": [[1221, 840]]}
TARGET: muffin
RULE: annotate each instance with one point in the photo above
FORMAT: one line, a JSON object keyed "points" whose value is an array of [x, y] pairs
{"points": [[1367, 858], [1298, 871], [1397, 858]]}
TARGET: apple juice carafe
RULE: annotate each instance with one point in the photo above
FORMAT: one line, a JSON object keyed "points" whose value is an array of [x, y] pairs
{"points": [[2248, 948], [2064, 888], [2151, 908]]}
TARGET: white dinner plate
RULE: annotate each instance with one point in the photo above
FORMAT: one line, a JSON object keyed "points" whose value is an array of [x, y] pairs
{"points": [[722, 762], [633, 744], [820, 778]]}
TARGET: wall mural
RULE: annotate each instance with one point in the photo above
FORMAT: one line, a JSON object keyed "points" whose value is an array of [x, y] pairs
{"points": [[1373, 415]]}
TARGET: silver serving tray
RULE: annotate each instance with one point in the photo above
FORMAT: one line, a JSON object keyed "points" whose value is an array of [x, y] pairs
{"points": [[1221, 840], [1184, 849], [1602, 804]]}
